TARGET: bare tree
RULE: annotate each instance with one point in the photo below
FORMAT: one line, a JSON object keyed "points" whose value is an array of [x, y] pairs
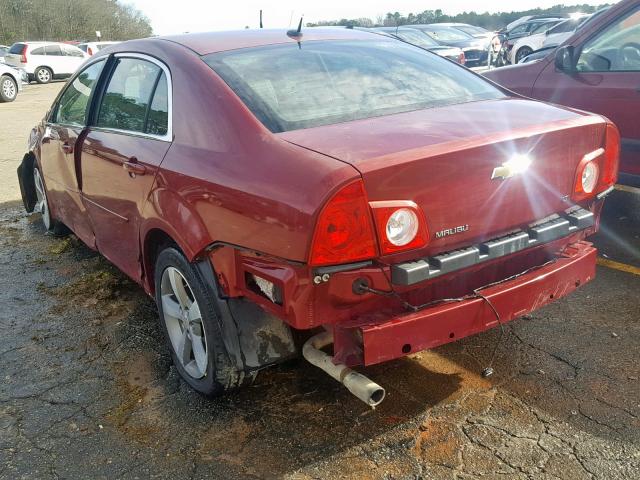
{"points": [[67, 20]]}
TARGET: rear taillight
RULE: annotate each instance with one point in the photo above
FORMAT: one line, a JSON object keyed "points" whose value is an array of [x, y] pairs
{"points": [[89, 51], [23, 55], [344, 231], [598, 170], [611, 157], [461, 59], [400, 225]]}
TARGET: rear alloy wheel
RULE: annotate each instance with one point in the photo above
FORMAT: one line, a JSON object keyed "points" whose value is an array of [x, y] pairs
{"points": [[52, 225], [183, 321], [523, 52], [191, 322], [42, 205], [8, 89], [43, 75]]}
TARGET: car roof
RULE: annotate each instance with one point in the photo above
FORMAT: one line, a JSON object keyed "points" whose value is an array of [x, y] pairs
{"points": [[213, 42]]}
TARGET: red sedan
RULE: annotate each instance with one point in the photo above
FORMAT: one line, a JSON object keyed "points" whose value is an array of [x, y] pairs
{"points": [[260, 182]]}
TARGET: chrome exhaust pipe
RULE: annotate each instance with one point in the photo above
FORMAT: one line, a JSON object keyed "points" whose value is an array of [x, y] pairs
{"points": [[369, 392]]}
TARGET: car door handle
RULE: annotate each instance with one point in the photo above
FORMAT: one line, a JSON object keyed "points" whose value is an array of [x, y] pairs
{"points": [[67, 148], [133, 167]]}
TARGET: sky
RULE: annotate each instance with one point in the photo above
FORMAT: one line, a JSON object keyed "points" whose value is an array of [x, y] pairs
{"points": [[171, 16]]}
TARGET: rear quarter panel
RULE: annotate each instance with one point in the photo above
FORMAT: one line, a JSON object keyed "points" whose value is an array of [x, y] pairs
{"points": [[226, 178]]}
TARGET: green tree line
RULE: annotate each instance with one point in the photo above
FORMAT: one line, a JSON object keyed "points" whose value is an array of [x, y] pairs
{"points": [[61, 20], [490, 21]]}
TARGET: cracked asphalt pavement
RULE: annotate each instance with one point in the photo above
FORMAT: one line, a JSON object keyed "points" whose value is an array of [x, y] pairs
{"points": [[88, 390]]}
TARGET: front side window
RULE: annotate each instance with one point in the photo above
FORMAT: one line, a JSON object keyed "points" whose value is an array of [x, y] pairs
{"points": [[615, 49], [70, 51], [73, 105], [327, 82], [542, 28], [129, 102], [519, 29]]}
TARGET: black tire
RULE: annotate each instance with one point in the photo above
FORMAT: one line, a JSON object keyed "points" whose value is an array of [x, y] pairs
{"points": [[52, 225], [522, 52], [8, 89], [221, 375], [43, 75]]}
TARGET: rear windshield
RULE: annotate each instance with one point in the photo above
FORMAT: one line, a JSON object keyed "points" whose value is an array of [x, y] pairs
{"points": [[447, 34], [325, 82], [417, 38], [16, 48]]}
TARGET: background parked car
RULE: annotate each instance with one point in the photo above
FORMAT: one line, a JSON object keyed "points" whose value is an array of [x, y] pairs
{"points": [[91, 48], [475, 50], [45, 61], [597, 69], [10, 83], [3, 51], [524, 30], [557, 36], [535, 40], [419, 39], [528, 18], [562, 31]]}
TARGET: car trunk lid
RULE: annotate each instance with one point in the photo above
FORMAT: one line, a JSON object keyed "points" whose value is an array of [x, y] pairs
{"points": [[444, 159]]}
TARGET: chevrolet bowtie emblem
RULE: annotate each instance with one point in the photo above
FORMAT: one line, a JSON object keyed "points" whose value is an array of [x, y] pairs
{"points": [[517, 164]]}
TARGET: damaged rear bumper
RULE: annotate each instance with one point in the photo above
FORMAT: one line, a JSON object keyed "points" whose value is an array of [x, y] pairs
{"points": [[381, 339]]}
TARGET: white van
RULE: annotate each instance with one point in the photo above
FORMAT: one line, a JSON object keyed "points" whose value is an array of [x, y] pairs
{"points": [[45, 61]]}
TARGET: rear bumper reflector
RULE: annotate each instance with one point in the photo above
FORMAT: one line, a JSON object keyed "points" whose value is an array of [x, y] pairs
{"points": [[558, 226]]}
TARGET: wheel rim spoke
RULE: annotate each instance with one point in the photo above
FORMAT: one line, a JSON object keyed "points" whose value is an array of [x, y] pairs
{"points": [[194, 313], [170, 307], [184, 347], [199, 352], [177, 285]]}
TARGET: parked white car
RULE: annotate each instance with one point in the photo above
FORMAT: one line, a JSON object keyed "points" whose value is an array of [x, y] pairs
{"points": [[91, 48], [3, 51], [45, 61], [10, 82], [526, 45]]}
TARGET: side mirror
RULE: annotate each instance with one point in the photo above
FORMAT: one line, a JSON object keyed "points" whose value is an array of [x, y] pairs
{"points": [[564, 59]]}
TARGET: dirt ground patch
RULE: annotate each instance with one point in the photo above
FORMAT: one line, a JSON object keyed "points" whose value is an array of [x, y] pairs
{"points": [[88, 389]]}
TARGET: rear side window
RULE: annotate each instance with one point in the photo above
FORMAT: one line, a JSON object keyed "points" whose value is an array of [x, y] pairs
{"points": [[129, 102], [328, 82], [158, 119], [38, 51], [72, 108], [16, 48], [53, 50]]}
